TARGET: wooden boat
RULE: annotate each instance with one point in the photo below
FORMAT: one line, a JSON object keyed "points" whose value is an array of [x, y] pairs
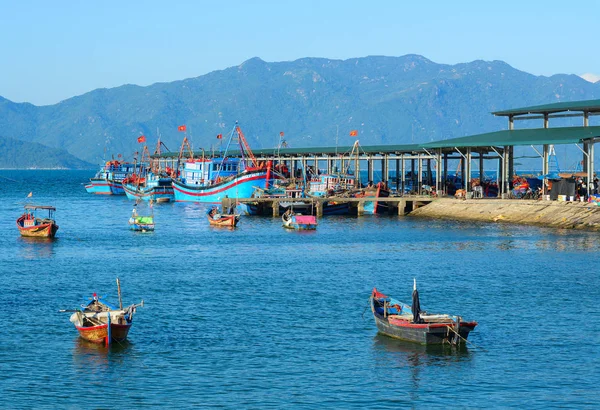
{"points": [[299, 222], [32, 225], [100, 322], [229, 220], [401, 321]]}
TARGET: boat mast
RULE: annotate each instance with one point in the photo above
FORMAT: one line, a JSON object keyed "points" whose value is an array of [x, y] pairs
{"points": [[119, 292]]}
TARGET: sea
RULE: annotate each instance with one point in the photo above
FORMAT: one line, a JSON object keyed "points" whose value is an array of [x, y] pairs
{"points": [[260, 317]]}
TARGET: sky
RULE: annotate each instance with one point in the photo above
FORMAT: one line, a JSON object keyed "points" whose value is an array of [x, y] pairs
{"points": [[54, 50]]}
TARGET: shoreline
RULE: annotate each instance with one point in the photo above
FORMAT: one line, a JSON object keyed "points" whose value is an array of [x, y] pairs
{"points": [[551, 214]]}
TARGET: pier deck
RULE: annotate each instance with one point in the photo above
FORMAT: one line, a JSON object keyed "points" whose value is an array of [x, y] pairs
{"points": [[396, 205]]}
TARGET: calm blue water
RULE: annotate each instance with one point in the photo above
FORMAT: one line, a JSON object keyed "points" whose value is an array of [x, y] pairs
{"points": [[261, 317]]}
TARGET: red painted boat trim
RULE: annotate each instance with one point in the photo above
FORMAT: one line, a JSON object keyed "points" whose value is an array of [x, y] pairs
{"points": [[407, 324], [216, 191]]}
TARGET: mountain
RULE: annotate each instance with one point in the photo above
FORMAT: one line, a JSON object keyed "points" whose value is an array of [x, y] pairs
{"points": [[22, 154], [389, 100]]}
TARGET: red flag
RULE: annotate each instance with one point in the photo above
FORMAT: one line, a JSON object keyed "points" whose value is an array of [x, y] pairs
{"points": [[281, 134], [353, 133], [141, 138], [219, 136], [181, 128]]}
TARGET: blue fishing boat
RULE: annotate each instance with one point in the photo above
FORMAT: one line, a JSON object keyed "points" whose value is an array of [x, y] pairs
{"points": [[109, 178], [375, 191], [210, 179]]}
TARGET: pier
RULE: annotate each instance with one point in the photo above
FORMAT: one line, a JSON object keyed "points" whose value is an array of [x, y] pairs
{"points": [[271, 206]]}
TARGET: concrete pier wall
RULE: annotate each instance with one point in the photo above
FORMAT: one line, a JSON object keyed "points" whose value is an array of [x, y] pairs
{"points": [[569, 215]]}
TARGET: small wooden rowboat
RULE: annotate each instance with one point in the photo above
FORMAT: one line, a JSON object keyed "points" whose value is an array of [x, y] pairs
{"points": [[401, 321], [31, 224], [227, 220], [100, 322]]}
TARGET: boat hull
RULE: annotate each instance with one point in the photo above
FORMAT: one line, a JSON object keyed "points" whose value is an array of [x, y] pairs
{"points": [[228, 221], [241, 186], [156, 193], [98, 334], [105, 187], [422, 333], [300, 223], [98, 187], [45, 230], [135, 224]]}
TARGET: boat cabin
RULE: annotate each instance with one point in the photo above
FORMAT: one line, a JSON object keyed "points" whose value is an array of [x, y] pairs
{"points": [[210, 171], [115, 171], [320, 185]]}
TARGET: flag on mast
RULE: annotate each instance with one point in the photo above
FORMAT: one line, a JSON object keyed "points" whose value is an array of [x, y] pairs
{"points": [[141, 138], [354, 133], [181, 128]]}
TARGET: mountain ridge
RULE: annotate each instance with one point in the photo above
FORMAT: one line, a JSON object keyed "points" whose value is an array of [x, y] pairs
{"points": [[389, 100]]}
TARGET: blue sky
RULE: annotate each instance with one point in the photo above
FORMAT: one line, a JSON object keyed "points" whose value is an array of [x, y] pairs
{"points": [[54, 50]]}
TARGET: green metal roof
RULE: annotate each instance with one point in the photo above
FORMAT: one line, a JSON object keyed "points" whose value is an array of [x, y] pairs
{"points": [[531, 136], [587, 105], [286, 152]]}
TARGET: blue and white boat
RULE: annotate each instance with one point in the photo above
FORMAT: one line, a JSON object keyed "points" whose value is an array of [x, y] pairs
{"points": [[108, 180], [212, 179]]}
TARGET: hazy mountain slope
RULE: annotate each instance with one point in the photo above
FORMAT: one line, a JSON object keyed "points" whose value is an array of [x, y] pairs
{"points": [[390, 100]]}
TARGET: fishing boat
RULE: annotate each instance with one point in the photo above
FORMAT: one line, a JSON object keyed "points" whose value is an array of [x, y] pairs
{"points": [[149, 182], [209, 179], [100, 322], [299, 222], [141, 223], [152, 187], [375, 191], [401, 321], [108, 180], [38, 221], [215, 218]]}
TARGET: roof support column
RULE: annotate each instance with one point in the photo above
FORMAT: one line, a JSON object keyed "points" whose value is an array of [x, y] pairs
{"points": [[511, 165], [438, 168], [468, 187], [420, 171], [545, 167], [370, 168], [511, 122], [506, 169], [385, 174], [445, 173], [403, 175], [591, 168], [586, 118], [481, 168]]}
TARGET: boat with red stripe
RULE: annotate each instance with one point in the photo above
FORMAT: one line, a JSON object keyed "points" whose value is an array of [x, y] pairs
{"points": [[401, 321]]}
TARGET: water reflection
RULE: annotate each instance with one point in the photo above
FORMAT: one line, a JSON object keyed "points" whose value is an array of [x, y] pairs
{"points": [[401, 354], [35, 248], [90, 357]]}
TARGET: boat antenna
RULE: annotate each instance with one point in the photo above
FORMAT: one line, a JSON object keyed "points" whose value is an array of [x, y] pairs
{"points": [[119, 293], [415, 284]]}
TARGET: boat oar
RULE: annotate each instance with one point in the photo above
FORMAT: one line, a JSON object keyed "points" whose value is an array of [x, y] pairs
{"points": [[69, 310]]}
